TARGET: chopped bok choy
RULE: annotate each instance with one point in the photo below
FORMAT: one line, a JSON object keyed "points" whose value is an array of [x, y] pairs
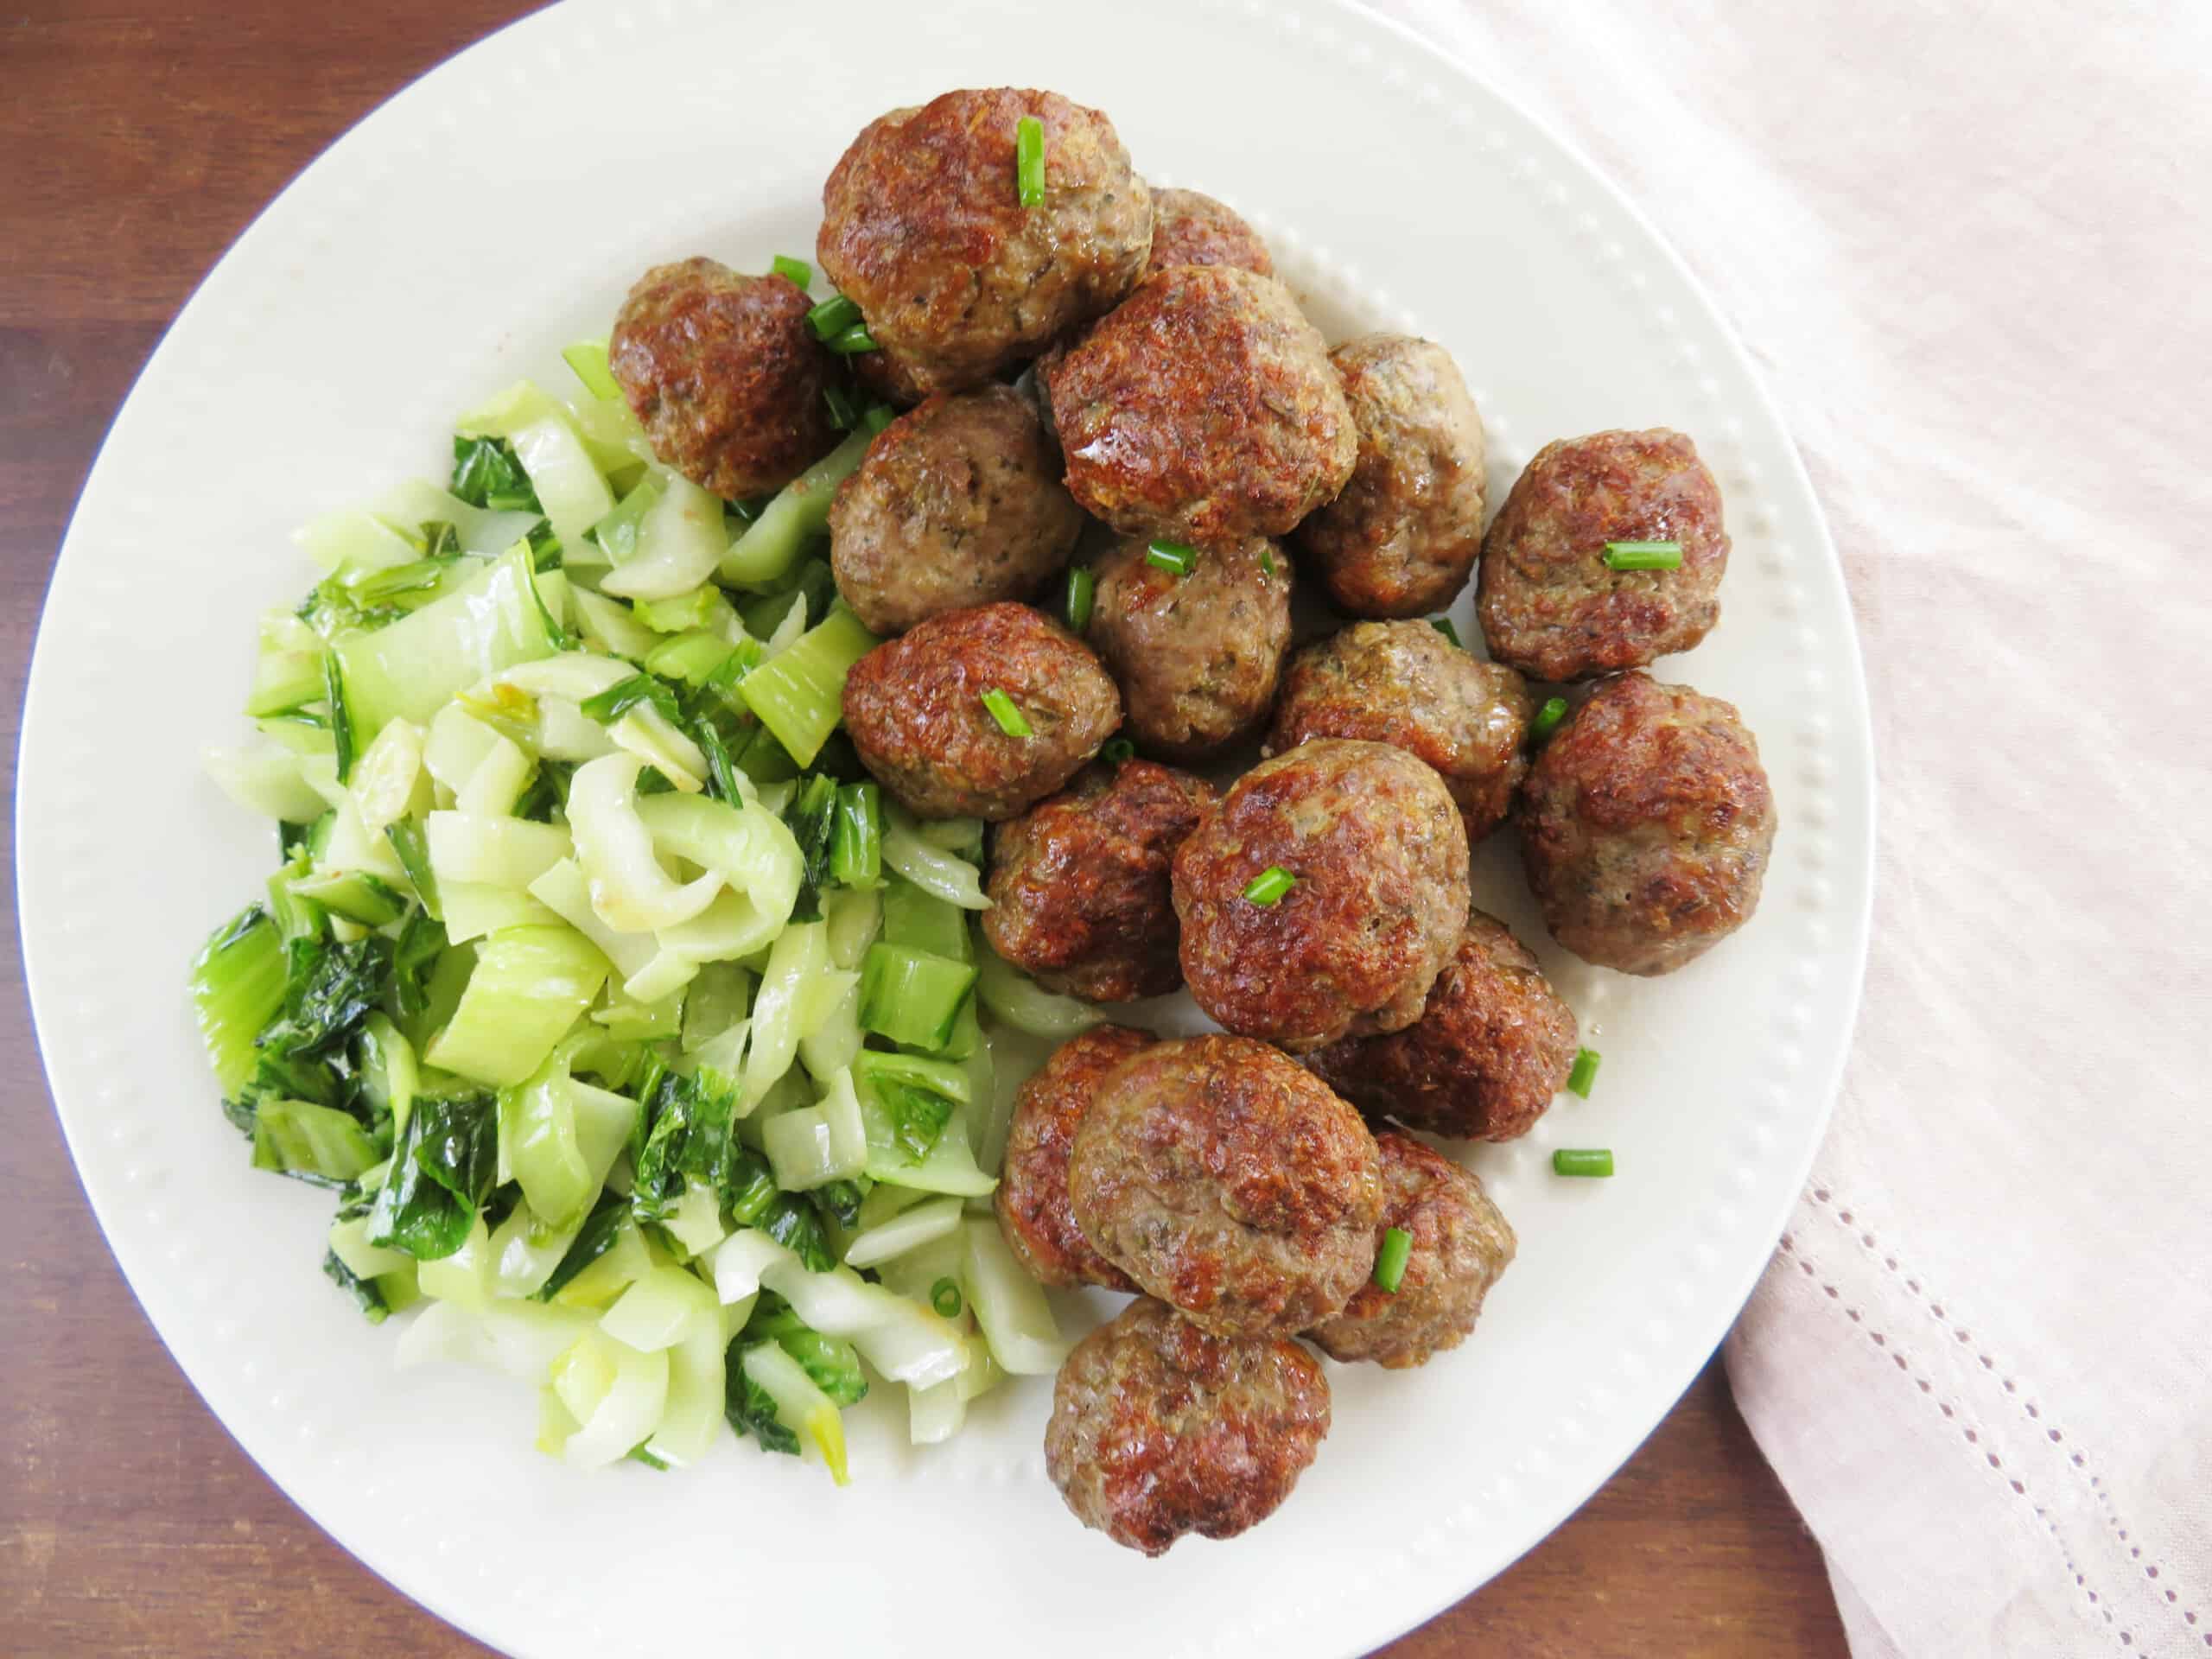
{"points": [[642, 1055]]}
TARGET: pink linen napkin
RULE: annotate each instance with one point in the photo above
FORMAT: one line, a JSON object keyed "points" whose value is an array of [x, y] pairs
{"points": [[1970, 247]]}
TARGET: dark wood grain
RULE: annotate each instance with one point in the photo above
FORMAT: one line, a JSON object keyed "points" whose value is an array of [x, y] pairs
{"points": [[140, 139]]}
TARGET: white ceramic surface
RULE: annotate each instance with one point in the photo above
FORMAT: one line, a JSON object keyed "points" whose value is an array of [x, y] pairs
{"points": [[496, 210]]}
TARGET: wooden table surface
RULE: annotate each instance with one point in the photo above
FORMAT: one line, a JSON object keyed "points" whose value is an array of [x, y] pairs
{"points": [[140, 139]]}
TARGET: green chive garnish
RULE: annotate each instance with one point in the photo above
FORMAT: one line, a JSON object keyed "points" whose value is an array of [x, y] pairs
{"points": [[833, 316], [1029, 160], [1180, 557], [842, 415], [1117, 750], [1083, 591], [879, 416], [1595, 1160], [796, 271], [851, 342], [1010, 718], [944, 1297], [1266, 561], [1269, 885], [1584, 1071], [1644, 555], [1443, 625], [1390, 1260], [1547, 719]]}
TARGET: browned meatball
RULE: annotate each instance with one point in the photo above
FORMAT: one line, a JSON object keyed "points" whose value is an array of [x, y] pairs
{"points": [[1197, 655], [923, 229], [914, 709], [1645, 826], [1405, 684], [1191, 229], [1229, 1182], [1160, 1429], [1380, 858], [723, 374], [1403, 536], [1032, 1193], [1080, 890], [1203, 409], [959, 503], [1491, 1047], [1461, 1246], [1551, 606]]}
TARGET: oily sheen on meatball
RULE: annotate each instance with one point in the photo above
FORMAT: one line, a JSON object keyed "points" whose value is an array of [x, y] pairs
{"points": [[1460, 1244], [1646, 825], [1079, 885], [723, 374], [922, 227], [1377, 856], [1229, 1181], [1160, 1429], [914, 709]]}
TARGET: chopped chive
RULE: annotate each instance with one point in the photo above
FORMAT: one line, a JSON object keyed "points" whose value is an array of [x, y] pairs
{"points": [[1083, 593], [842, 415], [1010, 718], [1029, 160], [796, 270], [1443, 625], [1644, 555], [944, 1297], [1585, 1072], [1266, 561], [851, 342], [1547, 719], [1595, 1160], [1269, 885], [878, 417], [833, 316], [1390, 1260], [1180, 557], [1118, 750]]}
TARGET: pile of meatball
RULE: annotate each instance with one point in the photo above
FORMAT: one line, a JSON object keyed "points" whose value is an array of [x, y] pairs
{"points": [[1116, 369]]}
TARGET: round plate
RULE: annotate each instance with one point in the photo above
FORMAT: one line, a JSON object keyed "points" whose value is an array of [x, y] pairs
{"points": [[497, 209]]}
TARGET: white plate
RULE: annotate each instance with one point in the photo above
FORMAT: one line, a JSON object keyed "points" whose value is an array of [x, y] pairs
{"points": [[457, 239]]}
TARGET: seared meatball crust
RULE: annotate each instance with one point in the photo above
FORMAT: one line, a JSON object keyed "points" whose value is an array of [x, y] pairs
{"points": [[1380, 855], [1080, 892], [1646, 825], [1229, 1182], [1032, 1193], [1203, 409], [1198, 657], [1402, 537], [1191, 229], [723, 374], [1461, 1246], [1405, 684], [958, 504], [1492, 1046], [1549, 604], [923, 228], [914, 709], [1159, 1428]]}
